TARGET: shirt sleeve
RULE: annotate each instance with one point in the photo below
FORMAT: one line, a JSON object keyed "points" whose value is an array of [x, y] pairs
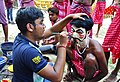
{"points": [[34, 60]]}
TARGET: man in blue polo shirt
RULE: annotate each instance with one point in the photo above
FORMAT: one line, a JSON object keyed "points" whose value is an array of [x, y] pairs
{"points": [[27, 58]]}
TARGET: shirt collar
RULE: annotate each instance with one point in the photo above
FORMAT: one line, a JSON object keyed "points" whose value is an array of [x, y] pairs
{"points": [[23, 38]]}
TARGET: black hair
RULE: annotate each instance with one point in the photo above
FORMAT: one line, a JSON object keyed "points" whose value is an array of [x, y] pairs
{"points": [[53, 10], [27, 15], [87, 23]]}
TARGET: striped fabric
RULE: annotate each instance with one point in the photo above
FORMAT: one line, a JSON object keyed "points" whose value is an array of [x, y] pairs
{"points": [[3, 19], [62, 7], [78, 63], [112, 38], [98, 13], [109, 11]]}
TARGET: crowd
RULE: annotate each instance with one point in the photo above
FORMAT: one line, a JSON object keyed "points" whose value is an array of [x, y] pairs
{"points": [[69, 38]]}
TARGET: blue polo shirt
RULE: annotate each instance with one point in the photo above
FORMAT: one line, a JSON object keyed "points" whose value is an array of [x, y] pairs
{"points": [[27, 58]]}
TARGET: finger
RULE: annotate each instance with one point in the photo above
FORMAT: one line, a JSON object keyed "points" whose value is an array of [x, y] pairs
{"points": [[84, 14], [81, 18]]}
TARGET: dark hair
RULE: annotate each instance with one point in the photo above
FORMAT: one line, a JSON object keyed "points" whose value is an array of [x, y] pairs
{"points": [[27, 15], [54, 10], [87, 23]]}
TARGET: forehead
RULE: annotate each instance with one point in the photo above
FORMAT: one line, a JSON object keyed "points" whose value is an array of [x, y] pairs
{"points": [[73, 26], [39, 20], [51, 13]]}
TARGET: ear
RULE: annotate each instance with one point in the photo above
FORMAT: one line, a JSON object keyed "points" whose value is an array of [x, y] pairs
{"points": [[88, 33], [30, 27]]}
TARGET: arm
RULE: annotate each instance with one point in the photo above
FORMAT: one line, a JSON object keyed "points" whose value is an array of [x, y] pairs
{"points": [[55, 73], [100, 56], [57, 27]]}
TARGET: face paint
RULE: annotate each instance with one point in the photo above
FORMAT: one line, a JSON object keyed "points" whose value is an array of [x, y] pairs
{"points": [[79, 33]]}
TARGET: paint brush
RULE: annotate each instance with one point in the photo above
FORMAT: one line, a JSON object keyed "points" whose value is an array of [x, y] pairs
{"points": [[55, 33]]}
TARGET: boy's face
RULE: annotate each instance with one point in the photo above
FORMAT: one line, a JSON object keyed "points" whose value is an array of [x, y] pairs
{"points": [[79, 33], [53, 17], [38, 29]]}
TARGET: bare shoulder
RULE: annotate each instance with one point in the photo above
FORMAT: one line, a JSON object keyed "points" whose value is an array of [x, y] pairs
{"points": [[96, 45]]}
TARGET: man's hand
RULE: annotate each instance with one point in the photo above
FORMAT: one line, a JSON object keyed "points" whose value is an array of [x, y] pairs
{"points": [[63, 38], [78, 15]]}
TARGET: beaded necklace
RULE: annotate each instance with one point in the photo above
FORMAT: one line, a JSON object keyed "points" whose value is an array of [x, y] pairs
{"points": [[87, 46]]}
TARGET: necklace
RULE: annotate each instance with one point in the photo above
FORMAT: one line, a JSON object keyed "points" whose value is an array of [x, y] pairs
{"points": [[87, 46]]}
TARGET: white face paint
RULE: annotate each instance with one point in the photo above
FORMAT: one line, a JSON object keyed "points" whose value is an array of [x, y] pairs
{"points": [[79, 33]]}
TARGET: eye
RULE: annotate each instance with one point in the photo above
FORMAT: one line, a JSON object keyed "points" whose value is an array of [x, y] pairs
{"points": [[79, 31], [73, 30]]}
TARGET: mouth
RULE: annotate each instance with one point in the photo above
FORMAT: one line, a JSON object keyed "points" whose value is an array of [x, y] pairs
{"points": [[81, 36]]}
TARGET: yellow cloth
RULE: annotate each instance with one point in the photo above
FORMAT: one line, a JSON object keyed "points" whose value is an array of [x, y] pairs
{"points": [[93, 6], [37, 3], [10, 68]]}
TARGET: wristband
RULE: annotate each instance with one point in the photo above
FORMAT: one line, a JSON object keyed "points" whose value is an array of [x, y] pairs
{"points": [[61, 46]]}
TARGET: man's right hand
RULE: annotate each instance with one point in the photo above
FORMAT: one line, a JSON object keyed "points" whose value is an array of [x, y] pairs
{"points": [[63, 38]]}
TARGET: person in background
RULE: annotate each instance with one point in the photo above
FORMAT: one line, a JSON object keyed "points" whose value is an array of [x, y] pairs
{"points": [[98, 14], [26, 3], [111, 44], [86, 53], [79, 6], [3, 19], [53, 16], [61, 5], [27, 57], [9, 6]]}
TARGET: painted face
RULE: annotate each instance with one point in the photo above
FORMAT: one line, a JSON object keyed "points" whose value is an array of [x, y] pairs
{"points": [[53, 17], [78, 33]]}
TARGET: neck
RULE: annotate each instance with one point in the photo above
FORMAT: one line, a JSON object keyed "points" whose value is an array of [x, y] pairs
{"points": [[82, 48], [30, 37], [84, 43]]}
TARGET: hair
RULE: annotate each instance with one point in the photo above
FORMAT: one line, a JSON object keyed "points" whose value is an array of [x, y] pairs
{"points": [[27, 15], [54, 10], [87, 23]]}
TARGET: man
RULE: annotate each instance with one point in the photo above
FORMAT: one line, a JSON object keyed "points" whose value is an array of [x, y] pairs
{"points": [[111, 44], [26, 3], [3, 19], [9, 7], [98, 14], [85, 53], [53, 16], [61, 5], [27, 58]]}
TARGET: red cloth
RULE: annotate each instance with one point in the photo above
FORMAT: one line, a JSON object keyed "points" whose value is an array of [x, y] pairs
{"points": [[78, 8], [98, 13], [62, 7], [79, 65], [109, 10], [3, 19], [112, 38], [8, 3]]}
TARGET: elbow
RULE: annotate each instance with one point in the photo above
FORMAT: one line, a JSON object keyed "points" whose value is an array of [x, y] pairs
{"points": [[57, 79], [105, 72]]}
